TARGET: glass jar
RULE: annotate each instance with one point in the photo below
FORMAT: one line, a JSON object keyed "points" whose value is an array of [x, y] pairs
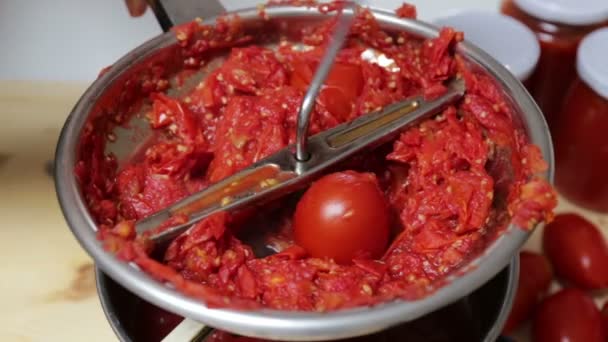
{"points": [[507, 40], [581, 128], [559, 25]]}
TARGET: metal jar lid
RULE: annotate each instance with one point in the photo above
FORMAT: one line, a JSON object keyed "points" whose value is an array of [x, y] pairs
{"points": [[512, 43], [570, 12], [592, 61]]}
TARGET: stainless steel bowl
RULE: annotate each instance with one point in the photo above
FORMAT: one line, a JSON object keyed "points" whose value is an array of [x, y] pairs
{"points": [[479, 316], [272, 323]]}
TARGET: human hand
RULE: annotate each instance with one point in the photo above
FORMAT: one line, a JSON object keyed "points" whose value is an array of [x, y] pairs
{"points": [[136, 7]]}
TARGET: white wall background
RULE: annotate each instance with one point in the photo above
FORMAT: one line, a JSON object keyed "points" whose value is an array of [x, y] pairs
{"points": [[73, 39]]}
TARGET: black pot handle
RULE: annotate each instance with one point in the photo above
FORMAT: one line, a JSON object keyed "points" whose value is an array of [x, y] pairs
{"points": [[174, 12]]}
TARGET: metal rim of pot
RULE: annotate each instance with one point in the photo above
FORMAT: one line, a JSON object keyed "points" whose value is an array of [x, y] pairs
{"points": [[492, 335], [281, 324]]}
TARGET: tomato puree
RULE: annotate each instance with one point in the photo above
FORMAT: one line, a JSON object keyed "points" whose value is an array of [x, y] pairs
{"points": [[452, 183]]}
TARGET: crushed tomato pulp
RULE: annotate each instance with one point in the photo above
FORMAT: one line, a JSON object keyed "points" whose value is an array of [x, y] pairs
{"points": [[453, 182]]}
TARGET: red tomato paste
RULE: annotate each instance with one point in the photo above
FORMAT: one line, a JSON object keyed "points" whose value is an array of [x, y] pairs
{"points": [[439, 177]]}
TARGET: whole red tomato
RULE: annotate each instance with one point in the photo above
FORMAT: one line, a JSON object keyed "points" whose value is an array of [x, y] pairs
{"points": [[569, 315], [535, 276], [577, 250], [343, 216]]}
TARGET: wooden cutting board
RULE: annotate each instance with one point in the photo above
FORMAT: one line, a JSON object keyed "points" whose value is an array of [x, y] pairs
{"points": [[47, 289]]}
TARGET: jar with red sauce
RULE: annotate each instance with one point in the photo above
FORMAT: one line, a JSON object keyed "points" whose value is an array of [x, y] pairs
{"points": [[559, 25], [509, 41], [581, 128]]}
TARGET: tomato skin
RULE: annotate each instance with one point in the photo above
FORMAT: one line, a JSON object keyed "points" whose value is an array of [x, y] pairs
{"points": [[343, 216], [568, 315], [535, 277], [340, 90], [577, 250]]}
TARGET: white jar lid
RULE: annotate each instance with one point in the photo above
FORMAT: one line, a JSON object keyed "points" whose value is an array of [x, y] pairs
{"points": [[512, 43], [592, 61], [571, 12]]}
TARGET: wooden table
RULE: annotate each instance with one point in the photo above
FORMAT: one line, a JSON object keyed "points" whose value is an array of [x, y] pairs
{"points": [[47, 288]]}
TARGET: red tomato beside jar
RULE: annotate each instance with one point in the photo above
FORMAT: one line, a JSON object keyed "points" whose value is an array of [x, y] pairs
{"points": [[559, 25], [568, 315], [581, 129], [577, 250]]}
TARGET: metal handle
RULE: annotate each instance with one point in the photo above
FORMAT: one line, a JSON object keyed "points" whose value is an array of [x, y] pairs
{"points": [[308, 103], [190, 331], [265, 179], [280, 174], [174, 12]]}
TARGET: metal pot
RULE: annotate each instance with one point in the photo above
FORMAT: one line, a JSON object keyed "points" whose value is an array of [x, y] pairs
{"points": [[272, 323], [479, 316]]}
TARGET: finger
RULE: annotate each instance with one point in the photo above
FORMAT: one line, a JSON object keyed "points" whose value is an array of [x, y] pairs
{"points": [[136, 7]]}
